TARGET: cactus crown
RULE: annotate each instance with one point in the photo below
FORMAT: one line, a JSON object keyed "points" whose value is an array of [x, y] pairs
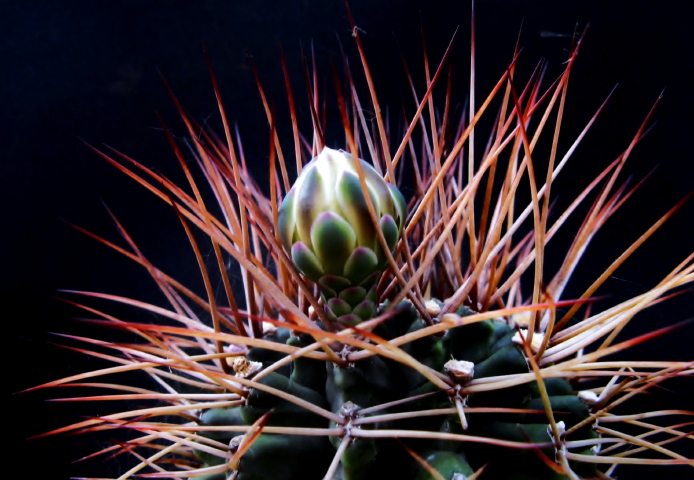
{"points": [[381, 340]]}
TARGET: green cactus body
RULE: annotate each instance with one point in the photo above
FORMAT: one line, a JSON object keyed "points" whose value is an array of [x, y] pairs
{"points": [[304, 371], [285, 457], [375, 381], [447, 463]]}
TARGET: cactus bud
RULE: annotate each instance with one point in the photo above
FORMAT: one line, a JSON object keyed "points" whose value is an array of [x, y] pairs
{"points": [[325, 226]]}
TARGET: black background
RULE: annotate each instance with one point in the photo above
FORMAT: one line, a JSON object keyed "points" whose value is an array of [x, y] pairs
{"points": [[88, 69]]}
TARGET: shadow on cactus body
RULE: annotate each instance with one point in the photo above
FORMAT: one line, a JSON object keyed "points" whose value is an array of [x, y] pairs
{"points": [[388, 337]]}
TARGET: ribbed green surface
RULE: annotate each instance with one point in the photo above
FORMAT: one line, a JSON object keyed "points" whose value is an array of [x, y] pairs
{"points": [[377, 380]]}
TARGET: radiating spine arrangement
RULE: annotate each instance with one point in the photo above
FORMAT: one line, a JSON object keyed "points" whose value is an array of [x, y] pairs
{"points": [[414, 336]]}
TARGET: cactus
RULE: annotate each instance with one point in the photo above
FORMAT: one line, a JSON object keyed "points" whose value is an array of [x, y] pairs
{"points": [[376, 337]]}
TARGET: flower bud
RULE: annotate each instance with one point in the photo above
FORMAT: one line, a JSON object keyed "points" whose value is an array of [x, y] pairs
{"points": [[325, 226]]}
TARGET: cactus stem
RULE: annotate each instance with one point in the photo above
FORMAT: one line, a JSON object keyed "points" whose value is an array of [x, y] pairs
{"points": [[290, 398]]}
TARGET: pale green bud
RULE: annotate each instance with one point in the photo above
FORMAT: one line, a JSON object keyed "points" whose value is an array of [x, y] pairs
{"points": [[324, 222]]}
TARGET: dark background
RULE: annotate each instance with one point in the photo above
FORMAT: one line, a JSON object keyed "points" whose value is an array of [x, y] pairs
{"points": [[88, 69]]}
